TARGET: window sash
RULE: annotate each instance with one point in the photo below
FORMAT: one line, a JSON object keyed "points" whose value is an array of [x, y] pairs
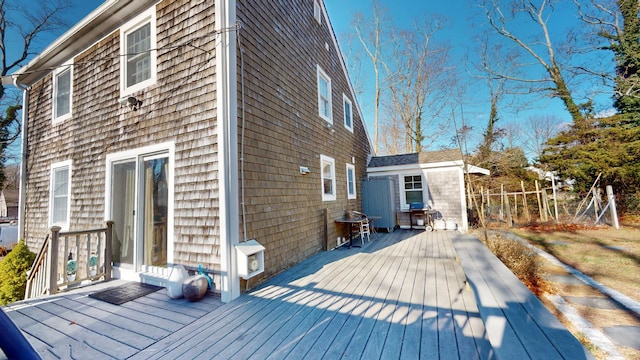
{"points": [[324, 96], [348, 112], [63, 93], [351, 181], [413, 189], [139, 55], [328, 178], [60, 196]]}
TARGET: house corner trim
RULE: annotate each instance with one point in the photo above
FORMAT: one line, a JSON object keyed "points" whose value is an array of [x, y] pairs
{"points": [[227, 119]]}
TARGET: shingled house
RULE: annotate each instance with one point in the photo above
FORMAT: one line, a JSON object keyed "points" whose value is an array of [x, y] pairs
{"points": [[193, 126], [433, 178]]}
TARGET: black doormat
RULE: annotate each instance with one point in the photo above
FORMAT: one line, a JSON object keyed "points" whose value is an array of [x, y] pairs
{"points": [[123, 293]]}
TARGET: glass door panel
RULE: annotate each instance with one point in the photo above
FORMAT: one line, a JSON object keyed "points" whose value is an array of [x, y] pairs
{"points": [[155, 195], [123, 198]]}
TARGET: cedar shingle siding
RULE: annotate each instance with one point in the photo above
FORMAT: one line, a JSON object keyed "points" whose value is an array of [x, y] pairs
{"points": [[179, 107], [279, 47]]}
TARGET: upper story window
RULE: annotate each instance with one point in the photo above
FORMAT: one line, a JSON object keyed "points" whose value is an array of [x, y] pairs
{"points": [[138, 60], [62, 93], [60, 190], [412, 190], [348, 115], [351, 181], [317, 13], [324, 95], [328, 166]]}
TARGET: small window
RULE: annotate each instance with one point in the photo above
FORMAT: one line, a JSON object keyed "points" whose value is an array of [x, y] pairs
{"points": [[138, 60], [59, 194], [413, 189], [317, 13], [351, 181], [324, 96], [62, 93], [348, 116], [328, 167]]}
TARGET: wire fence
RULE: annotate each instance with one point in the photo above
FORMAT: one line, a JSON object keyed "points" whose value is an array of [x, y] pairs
{"points": [[503, 208]]}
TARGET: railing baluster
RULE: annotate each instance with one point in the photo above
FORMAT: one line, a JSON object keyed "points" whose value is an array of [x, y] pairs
{"points": [[44, 274], [52, 260]]}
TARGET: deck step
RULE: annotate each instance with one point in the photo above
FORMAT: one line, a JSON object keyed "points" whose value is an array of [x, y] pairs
{"points": [[154, 275], [517, 323]]}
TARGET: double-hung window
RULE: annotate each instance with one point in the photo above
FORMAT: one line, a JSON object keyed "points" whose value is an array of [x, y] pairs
{"points": [[138, 60], [348, 115], [59, 204], [324, 96], [328, 166], [351, 181], [317, 13], [62, 93], [412, 189]]}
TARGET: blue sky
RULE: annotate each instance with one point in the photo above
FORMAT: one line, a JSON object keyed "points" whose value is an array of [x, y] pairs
{"points": [[459, 34]]}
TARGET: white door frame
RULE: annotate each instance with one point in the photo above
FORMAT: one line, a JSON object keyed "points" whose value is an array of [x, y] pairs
{"points": [[139, 155]]}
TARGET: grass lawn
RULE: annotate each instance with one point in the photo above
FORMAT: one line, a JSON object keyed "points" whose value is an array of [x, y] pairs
{"points": [[610, 256]]}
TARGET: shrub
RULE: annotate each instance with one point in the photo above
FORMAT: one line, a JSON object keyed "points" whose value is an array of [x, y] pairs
{"points": [[522, 261], [13, 273]]}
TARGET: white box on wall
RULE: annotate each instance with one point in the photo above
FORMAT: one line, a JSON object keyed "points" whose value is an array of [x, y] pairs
{"points": [[250, 258]]}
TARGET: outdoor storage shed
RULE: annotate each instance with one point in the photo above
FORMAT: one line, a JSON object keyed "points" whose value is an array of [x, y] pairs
{"points": [[378, 200]]}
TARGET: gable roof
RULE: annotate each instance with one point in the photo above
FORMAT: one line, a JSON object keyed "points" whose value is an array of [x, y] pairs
{"points": [[440, 158], [428, 157], [99, 23]]}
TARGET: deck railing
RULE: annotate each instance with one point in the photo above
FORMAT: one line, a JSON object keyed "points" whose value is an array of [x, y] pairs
{"points": [[70, 258]]}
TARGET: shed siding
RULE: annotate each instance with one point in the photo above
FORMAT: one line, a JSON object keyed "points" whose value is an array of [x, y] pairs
{"points": [[444, 193], [281, 46]]}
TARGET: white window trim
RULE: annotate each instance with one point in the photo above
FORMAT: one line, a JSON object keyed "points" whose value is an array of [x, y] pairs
{"points": [[354, 195], [345, 100], [323, 75], [54, 167], [317, 12], [325, 159], [149, 16], [66, 66], [403, 197]]}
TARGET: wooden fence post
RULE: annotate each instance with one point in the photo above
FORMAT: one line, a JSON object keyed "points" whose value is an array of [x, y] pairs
{"points": [[524, 202], [52, 260], [539, 202]]}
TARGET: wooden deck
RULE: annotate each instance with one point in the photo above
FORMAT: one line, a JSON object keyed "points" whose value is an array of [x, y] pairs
{"points": [[403, 295]]}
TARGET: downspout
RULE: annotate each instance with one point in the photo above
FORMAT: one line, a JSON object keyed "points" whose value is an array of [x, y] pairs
{"points": [[23, 158], [227, 135]]}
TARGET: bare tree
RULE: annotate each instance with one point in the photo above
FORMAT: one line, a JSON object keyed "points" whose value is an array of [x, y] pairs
{"points": [[421, 84], [506, 19], [539, 129], [26, 21], [372, 37]]}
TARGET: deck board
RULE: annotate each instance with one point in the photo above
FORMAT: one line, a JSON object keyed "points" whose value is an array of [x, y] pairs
{"points": [[402, 295]]}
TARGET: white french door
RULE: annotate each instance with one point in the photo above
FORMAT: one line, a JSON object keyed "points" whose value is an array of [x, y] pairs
{"points": [[139, 193]]}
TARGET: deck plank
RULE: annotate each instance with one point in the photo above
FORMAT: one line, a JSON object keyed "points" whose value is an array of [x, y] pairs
{"points": [[402, 295], [78, 334], [336, 330]]}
